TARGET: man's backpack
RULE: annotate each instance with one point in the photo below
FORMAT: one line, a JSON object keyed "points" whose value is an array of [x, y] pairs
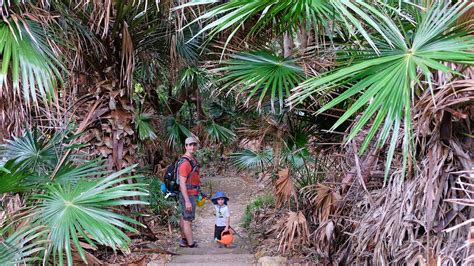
{"points": [[171, 178]]}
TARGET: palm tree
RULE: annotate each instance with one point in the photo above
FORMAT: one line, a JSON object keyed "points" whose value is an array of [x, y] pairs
{"points": [[70, 206], [387, 82]]}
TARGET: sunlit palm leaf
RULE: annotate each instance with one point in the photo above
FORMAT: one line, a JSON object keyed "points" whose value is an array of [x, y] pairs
{"points": [[388, 81], [284, 15], [219, 134], [81, 211], [259, 74], [26, 57], [248, 159]]}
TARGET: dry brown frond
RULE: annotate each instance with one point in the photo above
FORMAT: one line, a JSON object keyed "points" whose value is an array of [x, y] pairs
{"points": [[128, 59], [284, 188], [293, 231]]}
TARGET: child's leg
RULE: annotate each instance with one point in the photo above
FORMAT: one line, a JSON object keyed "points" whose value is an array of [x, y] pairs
{"points": [[217, 232]]}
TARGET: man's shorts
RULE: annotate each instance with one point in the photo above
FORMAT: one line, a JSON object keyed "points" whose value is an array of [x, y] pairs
{"points": [[188, 215]]}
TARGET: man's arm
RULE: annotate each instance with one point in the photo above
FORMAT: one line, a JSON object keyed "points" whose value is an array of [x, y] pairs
{"points": [[184, 192]]}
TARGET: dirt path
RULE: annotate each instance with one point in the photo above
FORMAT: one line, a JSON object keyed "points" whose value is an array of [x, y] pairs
{"points": [[239, 190]]}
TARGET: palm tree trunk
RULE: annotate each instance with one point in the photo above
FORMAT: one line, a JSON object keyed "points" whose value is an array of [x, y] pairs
{"points": [[287, 44], [199, 110]]}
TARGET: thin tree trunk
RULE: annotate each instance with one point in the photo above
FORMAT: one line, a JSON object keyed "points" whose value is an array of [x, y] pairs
{"points": [[303, 39], [287, 44], [199, 110]]}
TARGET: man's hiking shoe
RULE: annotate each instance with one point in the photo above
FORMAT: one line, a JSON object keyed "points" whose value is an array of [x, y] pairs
{"points": [[183, 243], [194, 245]]}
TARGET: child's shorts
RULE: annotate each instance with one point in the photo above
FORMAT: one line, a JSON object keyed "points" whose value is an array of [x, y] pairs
{"points": [[218, 231]]}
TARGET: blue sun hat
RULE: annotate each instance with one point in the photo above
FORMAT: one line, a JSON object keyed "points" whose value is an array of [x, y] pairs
{"points": [[219, 195]]}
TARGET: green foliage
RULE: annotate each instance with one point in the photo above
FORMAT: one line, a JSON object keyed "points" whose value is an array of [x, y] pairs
{"points": [[71, 173], [219, 134], [144, 127], [385, 83], [73, 207], [164, 208], [26, 56], [187, 46], [175, 132], [249, 159], [259, 74], [205, 154], [195, 75], [33, 150], [287, 15], [70, 211], [13, 178], [21, 246], [263, 201]]}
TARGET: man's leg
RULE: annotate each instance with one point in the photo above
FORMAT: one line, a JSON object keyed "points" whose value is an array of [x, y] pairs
{"points": [[186, 220], [187, 230], [183, 236]]}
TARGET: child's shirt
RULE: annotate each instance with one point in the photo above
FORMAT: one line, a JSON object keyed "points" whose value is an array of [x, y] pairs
{"points": [[222, 213]]}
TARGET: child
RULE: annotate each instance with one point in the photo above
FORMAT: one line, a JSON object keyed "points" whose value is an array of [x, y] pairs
{"points": [[222, 215]]}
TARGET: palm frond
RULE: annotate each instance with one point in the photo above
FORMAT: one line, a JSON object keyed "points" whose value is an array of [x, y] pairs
{"points": [[259, 74], [196, 75], [176, 132], [21, 246], [28, 58], [248, 159], [81, 210], [31, 150], [144, 127], [187, 46], [386, 82], [69, 173], [219, 134], [13, 178], [286, 15]]}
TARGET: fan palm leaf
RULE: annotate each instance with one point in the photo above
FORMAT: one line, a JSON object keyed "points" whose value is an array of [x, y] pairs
{"points": [[386, 82], [27, 57], [144, 127], [70, 212], [31, 150], [21, 246], [261, 74], [285, 15], [219, 134], [13, 179], [249, 159], [176, 132]]}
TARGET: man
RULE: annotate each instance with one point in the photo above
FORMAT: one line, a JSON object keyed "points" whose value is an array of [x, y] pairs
{"points": [[189, 182]]}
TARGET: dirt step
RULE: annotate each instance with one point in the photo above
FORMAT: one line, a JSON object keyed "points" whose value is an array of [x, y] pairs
{"points": [[211, 250], [210, 259]]}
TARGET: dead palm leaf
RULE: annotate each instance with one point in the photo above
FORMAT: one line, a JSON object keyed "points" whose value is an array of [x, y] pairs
{"points": [[294, 232], [284, 188], [323, 199]]}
